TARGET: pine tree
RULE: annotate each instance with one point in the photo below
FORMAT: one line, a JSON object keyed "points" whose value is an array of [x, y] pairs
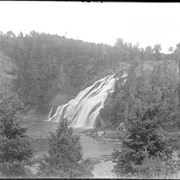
{"points": [[145, 145], [64, 157], [15, 146]]}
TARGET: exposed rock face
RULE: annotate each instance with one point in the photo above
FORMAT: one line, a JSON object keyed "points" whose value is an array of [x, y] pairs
{"points": [[84, 109]]}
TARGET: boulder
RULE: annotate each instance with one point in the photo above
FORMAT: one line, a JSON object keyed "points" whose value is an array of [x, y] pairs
{"points": [[100, 133], [121, 127]]}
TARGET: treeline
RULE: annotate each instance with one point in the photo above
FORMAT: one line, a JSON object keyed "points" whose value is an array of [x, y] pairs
{"points": [[48, 65]]}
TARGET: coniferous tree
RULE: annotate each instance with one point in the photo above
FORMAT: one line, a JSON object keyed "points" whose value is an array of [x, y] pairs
{"points": [[15, 146], [146, 149], [64, 157]]}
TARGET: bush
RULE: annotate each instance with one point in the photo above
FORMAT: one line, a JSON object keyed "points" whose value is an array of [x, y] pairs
{"points": [[64, 157], [157, 167]]}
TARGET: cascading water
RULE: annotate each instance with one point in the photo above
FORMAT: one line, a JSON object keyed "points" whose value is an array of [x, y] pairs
{"points": [[82, 111]]}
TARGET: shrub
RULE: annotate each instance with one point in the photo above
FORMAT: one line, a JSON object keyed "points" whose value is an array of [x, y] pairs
{"points": [[157, 167]]}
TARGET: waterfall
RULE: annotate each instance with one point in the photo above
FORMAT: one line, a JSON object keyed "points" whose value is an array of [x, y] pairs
{"points": [[50, 112], [82, 111]]}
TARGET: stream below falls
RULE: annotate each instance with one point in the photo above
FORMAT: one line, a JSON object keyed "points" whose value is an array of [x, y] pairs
{"points": [[99, 151]]}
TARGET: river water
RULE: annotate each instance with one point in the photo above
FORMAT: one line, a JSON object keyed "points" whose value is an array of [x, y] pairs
{"points": [[101, 152]]}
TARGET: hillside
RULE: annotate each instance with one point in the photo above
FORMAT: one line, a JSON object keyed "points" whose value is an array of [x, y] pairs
{"points": [[86, 109], [51, 69]]}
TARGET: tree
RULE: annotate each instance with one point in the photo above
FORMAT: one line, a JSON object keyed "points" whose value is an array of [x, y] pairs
{"points": [[113, 111], [77, 73], [6, 77], [157, 51], [145, 144], [42, 58], [170, 49], [15, 146], [64, 157], [148, 53], [151, 111]]}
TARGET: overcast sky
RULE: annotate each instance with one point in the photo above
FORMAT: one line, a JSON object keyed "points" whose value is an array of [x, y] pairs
{"points": [[143, 23]]}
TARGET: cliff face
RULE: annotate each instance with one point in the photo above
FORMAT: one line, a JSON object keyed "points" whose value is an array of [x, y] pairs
{"points": [[83, 111]]}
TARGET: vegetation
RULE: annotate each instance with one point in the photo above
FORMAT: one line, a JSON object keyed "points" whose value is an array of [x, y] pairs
{"points": [[147, 151], [159, 86], [150, 111], [64, 157], [50, 69], [15, 145], [48, 65]]}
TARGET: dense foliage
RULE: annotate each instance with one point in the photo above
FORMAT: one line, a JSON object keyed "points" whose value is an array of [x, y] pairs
{"points": [[49, 65], [15, 146], [159, 85], [64, 157], [146, 149], [148, 105]]}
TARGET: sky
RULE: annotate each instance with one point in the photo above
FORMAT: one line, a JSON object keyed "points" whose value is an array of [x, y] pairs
{"points": [[143, 23]]}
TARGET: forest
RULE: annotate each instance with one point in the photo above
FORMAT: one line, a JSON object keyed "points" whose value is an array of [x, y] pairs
{"points": [[40, 70], [47, 67]]}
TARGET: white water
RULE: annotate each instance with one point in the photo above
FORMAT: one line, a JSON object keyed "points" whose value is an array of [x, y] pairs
{"points": [[82, 111], [50, 112]]}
